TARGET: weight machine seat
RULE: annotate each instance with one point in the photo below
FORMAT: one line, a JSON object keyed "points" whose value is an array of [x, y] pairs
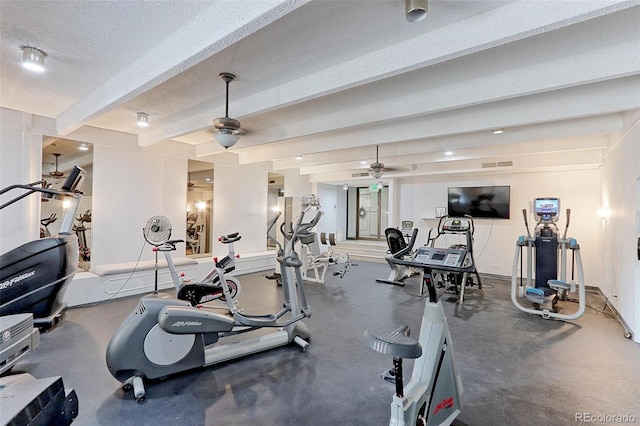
{"points": [[396, 343], [395, 240]]}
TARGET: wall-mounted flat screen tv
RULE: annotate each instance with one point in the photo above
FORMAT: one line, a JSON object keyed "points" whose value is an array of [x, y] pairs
{"points": [[479, 201]]}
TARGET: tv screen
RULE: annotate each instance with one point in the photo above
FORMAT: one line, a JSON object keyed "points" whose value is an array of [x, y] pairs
{"points": [[479, 201]]}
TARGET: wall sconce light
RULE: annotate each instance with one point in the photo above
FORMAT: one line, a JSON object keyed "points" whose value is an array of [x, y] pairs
{"points": [[142, 119], [498, 131], [201, 205], [83, 147], [345, 187], [416, 10], [275, 209], [33, 59], [188, 208]]}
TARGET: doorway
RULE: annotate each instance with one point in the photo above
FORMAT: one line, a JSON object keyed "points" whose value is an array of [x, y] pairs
{"points": [[372, 211]]}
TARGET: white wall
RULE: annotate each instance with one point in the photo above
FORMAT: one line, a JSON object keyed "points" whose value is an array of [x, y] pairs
{"points": [[130, 187], [495, 239], [620, 174], [20, 163], [328, 195], [240, 200]]}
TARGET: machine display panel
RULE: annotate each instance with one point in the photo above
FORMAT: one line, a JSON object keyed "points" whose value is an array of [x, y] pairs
{"points": [[546, 208]]}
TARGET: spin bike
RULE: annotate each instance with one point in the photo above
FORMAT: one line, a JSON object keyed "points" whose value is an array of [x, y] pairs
{"points": [[434, 394], [549, 286], [165, 336], [209, 287]]}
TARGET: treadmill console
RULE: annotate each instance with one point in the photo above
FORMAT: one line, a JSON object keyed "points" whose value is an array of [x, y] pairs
{"points": [[440, 257], [456, 224]]}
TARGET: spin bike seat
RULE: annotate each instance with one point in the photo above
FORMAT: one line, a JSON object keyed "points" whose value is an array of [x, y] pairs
{"points": [[396, 343]]}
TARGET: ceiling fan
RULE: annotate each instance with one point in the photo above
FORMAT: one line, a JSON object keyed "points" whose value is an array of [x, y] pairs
{"points": [[377, 168], [228, 128], [191, 186], [56, 174]]}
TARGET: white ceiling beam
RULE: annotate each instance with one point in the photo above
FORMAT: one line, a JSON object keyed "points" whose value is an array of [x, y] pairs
{"points": [[508, 148], [585, 159], [202, 37], [600, 100], [488, 30]]}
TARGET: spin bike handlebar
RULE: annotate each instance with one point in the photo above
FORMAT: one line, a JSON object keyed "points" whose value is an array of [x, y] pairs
{"points": [[231, 238]]}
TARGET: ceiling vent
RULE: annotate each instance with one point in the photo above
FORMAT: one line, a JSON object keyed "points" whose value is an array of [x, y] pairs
{"points": [[497, 164], [362, 174]]}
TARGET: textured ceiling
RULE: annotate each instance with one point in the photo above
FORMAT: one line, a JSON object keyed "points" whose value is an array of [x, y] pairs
{"points": [[330, 80]]}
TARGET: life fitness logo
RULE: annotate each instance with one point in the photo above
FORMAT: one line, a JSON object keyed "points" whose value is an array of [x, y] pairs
{"points": [[16, 279], [444, 404]]}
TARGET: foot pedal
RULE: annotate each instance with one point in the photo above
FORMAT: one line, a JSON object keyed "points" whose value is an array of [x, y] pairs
{"points": [[558, 285], [534, 295], [396, 343]]}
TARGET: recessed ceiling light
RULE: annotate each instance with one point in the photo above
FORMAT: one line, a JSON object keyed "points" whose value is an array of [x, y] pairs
{"points": [[142, 119], [33, 59], [363, 162], [498, 131], [448, 153], [298, 157]]}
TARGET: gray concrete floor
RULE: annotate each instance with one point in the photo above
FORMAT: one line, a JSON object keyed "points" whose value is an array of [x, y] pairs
{"points": [[516, 369]]}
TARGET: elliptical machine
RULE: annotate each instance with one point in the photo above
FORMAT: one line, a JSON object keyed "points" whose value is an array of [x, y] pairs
{"points": [[164, 336], [549, 287], [34, 276], [434, 394]]}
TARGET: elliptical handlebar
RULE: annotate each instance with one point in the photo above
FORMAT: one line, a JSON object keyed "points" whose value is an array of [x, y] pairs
{"points": [[566, 228]]}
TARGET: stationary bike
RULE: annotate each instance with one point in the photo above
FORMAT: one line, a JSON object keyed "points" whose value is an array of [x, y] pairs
{"points": [[550, 251], [164, 336], [157, 232], [434, 394]]}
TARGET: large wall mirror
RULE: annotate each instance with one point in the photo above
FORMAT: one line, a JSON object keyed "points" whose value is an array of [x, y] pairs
{"points": [[58, 158], [274, 203], [199, 208]]}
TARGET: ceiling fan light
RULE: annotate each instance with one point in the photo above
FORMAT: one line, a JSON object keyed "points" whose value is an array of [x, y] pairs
{"points": [[142, 119], [376, 174], [226, 138], [33, 59]]}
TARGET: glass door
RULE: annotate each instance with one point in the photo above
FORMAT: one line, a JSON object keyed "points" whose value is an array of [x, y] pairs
{"points": [[372, 212]]}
